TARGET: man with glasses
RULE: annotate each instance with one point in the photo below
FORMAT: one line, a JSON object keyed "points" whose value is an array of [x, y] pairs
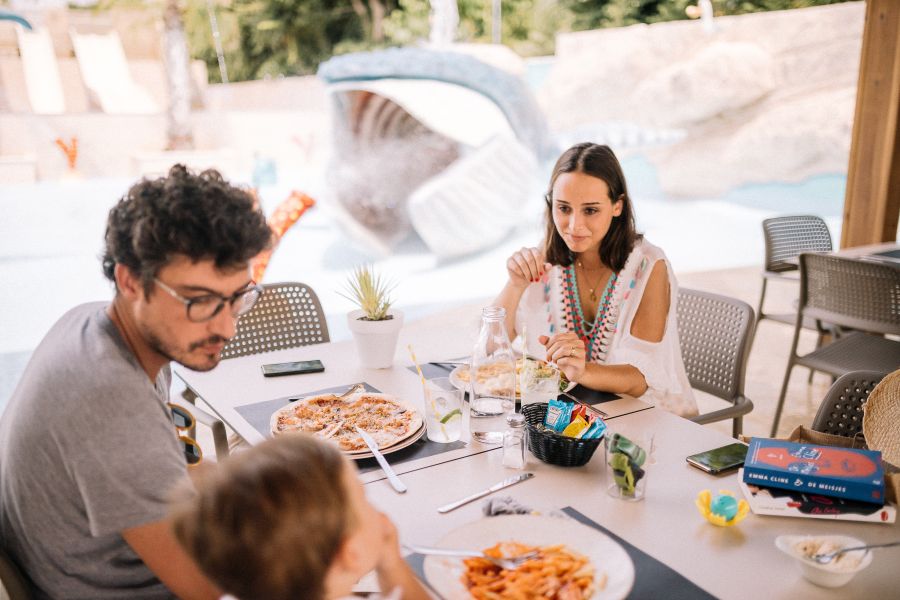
{"points": [[88, 450]]}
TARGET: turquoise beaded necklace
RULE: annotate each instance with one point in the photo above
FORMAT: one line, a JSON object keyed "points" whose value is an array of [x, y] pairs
{"points": [[588, 332]]}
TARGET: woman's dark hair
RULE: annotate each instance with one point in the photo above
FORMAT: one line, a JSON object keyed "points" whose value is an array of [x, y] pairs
{"points": [[200, 216], [267, 523], [597, 161]]}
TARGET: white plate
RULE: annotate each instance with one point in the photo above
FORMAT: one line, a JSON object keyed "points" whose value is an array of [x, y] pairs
{"points": [[463, 385], [607, 556], [409, 441]]}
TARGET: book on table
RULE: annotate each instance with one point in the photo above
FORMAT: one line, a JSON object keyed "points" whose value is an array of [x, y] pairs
{"points": [[791, 503], [849, 473]]}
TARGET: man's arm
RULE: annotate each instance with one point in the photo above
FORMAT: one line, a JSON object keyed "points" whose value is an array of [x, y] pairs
{"points": [[156, 545]]}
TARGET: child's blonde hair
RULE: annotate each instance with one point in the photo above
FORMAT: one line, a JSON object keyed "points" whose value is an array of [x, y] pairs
{"points": [[268, 522]]}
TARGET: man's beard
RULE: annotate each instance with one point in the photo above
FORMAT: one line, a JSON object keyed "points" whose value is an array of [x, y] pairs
{"points": [[183, 358]]}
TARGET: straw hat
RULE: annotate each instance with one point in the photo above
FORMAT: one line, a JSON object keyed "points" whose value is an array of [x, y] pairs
{"points": [[881, 418]]}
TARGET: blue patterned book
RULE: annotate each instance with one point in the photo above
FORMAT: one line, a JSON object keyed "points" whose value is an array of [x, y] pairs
{"points": [[816, 469]]}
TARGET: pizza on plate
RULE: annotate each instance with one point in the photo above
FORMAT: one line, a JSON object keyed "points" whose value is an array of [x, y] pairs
{"points": [[383, 417]]}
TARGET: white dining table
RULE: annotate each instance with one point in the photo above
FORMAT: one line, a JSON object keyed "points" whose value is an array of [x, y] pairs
{"points": [[727, 562]]}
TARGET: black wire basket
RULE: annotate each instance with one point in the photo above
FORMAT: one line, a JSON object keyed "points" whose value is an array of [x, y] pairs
{"points": [[552, 447]]}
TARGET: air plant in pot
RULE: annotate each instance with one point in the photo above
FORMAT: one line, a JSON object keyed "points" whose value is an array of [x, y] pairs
{"points": [[375, 325]]}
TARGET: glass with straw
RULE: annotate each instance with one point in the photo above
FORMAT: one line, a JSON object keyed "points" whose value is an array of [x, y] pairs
{"points": [[443, 407]]}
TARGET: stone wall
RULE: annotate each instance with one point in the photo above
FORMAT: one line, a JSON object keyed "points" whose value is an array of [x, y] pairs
{"points": [[764, 97]]}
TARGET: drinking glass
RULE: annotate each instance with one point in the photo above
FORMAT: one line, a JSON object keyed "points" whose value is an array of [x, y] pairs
{"points": [[629, 460], [538, 382], [443, 410]]}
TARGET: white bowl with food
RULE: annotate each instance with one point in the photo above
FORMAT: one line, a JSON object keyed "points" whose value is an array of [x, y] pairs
{"points": [[838, 572]]}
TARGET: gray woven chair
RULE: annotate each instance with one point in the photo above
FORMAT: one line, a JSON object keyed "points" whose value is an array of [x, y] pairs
{"points": [[287, 315], [846, 292], [841, 411], [786, 238], [715, 335], [12, 580]]}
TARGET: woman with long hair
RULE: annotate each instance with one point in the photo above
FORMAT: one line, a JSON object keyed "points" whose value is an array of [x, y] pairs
{"points": [[597, 298]]}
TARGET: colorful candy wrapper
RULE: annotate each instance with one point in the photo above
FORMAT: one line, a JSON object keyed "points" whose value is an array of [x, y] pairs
{"points": [[581, 410], [558, 415], [596, 430], [577, 425]]}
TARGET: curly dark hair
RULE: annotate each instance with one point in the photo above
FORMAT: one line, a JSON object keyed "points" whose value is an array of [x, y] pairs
{"points": [[200, 216], [597, 161]]}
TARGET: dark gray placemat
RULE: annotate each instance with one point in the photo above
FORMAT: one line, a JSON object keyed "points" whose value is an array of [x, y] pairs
{"points": [[435, 370], [420, 449], [259, 414], [652, 579]]}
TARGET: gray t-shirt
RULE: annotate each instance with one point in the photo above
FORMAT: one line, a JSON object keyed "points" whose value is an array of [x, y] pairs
{"points": [[87, 449]]}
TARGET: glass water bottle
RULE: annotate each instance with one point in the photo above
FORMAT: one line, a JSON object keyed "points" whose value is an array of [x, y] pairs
{"points": [[493, 380]]}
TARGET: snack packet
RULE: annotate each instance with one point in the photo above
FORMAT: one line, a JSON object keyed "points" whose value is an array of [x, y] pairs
{"points": [[558, 415], [596, 430], [581, 410], [574, 428], [635, 453]]}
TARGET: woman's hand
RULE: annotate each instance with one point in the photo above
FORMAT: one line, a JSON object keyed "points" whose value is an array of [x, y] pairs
{"points": [[526, 266], [568, 352]]}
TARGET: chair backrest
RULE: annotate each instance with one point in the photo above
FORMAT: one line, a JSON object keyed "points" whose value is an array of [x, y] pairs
{"points": [[841, 411], [849, 292], [787, 237], [287, 315], [12, 581], [715, 333]]}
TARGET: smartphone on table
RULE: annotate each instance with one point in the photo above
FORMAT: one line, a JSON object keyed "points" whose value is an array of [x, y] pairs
{"points": [[720, 460], [293, 368]]}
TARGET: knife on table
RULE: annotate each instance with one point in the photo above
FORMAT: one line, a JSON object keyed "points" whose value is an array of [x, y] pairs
{"points": [[497, 486], [398, 485]]}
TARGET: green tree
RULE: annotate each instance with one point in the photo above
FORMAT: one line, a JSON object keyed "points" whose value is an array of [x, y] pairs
{"points": [[594, 14]]}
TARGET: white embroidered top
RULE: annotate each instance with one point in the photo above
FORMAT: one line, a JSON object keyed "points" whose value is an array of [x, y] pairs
{"points": [[551, 306]]}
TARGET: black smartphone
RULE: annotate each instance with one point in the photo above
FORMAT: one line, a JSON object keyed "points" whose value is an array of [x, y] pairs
{"points": [[293, 368], [719, 460]]}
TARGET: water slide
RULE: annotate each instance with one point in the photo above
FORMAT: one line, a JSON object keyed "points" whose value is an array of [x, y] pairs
{"points": [[43, 83], [435, 141], [104, 70]]}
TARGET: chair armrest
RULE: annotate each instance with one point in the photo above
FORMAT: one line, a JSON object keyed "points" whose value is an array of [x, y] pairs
{"points": [[741, 407], [220, 434]]}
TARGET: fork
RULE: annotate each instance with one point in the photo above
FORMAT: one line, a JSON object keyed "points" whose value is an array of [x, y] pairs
{"points": [[509, 563], [590, 407]]}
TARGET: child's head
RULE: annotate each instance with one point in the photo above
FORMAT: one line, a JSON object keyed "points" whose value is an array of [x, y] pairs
{"points": [[607, 226], [285, 519]]}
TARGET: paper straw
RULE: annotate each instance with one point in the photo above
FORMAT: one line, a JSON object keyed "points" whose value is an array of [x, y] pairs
{"points": [[425, 389]]}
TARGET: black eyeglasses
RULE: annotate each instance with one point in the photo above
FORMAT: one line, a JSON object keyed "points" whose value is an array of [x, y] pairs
{"points": [[184, 421], [205, 307]]}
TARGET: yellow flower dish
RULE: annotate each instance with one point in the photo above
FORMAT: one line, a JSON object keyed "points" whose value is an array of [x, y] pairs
{"points": [[705, 503]]}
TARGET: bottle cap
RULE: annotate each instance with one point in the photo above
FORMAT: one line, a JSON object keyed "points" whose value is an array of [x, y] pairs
{"points": [[515, 420]]}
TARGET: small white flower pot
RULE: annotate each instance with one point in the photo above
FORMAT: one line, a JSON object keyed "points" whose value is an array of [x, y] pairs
{"points": [[376, 341]]}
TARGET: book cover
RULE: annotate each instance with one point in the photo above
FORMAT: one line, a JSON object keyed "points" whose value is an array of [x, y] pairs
{"points": [[791, 503], [848, 473]]}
